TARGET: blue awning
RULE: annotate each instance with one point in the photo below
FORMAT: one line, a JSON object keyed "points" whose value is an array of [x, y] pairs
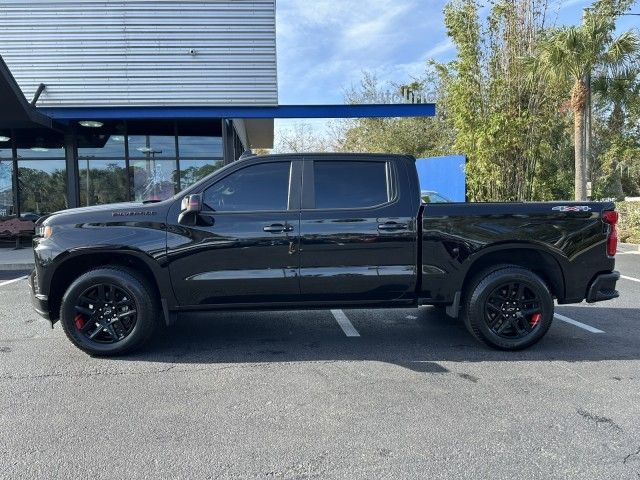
{"points": [[243, 112]]}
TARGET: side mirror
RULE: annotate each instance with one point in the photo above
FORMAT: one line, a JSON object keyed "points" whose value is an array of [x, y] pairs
{"points": [[190, 209]]}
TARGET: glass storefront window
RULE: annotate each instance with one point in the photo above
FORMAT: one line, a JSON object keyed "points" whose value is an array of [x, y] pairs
{"points": [[192, 170], [199, 156], [5, 147], [102, 181], [102, 167], [202, 147], [42, 148], [6, 186], [43, 187], [101, 146], [108, 171], [153, 178], [152, 146]]}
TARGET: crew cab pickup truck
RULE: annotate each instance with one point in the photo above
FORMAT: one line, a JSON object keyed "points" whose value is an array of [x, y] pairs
{"points": [[318, 231]]}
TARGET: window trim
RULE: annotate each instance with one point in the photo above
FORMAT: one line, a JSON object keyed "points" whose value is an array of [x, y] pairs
{"points": [[309, 198], [294, 173]]}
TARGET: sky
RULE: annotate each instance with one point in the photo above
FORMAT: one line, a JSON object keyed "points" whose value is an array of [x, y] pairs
{"points": [[323, 46]]}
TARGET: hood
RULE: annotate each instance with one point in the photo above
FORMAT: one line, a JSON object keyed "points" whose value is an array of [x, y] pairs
{"points": [[110, 211]]}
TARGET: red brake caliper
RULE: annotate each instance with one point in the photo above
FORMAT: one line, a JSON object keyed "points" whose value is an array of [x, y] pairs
{"points": [[535, 319], [79, 321]]}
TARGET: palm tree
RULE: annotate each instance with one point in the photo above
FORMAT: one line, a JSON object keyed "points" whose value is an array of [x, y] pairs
{"points": [[570, 54], [618, 93], [620, 90]]}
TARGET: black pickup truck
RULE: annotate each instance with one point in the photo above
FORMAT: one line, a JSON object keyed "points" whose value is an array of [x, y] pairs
{"points": [[318, 231]]}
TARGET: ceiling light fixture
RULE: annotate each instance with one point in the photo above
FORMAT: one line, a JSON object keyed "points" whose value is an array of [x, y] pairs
{"points": [[91, 123], [4, 139], [39, 149]]}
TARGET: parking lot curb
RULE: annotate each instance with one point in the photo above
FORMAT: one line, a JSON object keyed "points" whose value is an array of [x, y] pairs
{"points": [[629, 247]]}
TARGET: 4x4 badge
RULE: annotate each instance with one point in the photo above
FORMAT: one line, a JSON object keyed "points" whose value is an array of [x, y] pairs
{"points": [[566, 208]]}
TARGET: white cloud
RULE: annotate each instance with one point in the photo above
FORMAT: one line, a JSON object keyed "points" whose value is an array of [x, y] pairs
{"points": [[444, 46], [324, 45]]}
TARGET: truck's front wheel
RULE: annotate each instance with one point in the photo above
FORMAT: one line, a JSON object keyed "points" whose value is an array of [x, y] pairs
{"points": [[509, 308], [109, 311]]}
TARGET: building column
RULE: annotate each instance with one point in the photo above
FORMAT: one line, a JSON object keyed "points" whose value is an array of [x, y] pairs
{"points": [[73, 173], [15, 183], [228, 148], [15, 180]]}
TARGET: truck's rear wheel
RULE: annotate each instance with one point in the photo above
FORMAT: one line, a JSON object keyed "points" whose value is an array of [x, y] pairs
{"points": [[509, 308], [109, 311]]}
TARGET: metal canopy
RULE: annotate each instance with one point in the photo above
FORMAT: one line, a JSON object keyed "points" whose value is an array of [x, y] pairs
{"points": [[258, 120], [15, 111], [253, 112]]}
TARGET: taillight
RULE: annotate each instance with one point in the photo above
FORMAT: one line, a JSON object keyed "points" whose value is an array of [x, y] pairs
{"points": [[610, 217]]}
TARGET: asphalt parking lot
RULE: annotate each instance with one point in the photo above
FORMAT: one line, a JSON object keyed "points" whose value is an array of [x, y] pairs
{"points": [[325, 394]]}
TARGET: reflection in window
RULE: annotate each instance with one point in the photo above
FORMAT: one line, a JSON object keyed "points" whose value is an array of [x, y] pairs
{"points": [[261, 187], [101, 146], [42, 186], [41, 147], [102, 181], [153, 179], [5, 148], [203, 147], [6, 185], [350, 184], [192, 170], [152, 146]]}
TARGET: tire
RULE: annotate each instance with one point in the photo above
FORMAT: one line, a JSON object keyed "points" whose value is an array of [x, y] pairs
{"points": [[498, 313], [115, 298]]}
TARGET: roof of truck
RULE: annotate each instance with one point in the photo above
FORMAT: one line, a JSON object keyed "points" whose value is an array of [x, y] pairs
{"points": [[329, 155]]}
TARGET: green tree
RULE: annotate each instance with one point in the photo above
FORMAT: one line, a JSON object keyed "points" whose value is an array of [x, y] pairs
{"points": [[617, 144], [570, 54], [416, 136], [503, 112]]}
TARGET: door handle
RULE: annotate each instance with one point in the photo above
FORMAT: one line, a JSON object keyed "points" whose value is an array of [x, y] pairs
{"points": [[389, 226], [278, 228]]}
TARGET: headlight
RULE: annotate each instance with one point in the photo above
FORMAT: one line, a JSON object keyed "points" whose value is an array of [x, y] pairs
{"points": [[44, 231]]}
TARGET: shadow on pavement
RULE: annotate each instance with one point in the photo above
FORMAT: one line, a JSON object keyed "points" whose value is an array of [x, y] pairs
{"points": [[386, 336]]}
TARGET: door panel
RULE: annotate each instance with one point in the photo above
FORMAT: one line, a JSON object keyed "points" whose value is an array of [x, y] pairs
{"points": [[240, 256], [236, 261], [359, 254], [346, 257]]}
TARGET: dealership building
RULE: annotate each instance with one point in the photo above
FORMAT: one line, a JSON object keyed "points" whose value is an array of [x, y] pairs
{"points": [[132, 100], [128, 100]]}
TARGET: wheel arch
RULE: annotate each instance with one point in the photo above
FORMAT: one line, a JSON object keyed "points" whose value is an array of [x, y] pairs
{"points": [[76, 263], [541, 262]]}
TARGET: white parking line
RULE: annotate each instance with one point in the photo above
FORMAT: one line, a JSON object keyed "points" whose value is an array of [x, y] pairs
{"points": [[630, 278], [347, 327], [584, 326], [2, 284]]}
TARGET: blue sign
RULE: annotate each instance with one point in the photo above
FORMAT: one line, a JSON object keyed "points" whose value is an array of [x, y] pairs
{"points": [[444, 175]]}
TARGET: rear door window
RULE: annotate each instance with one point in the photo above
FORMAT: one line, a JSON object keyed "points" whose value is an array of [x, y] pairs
{"points": [[352, 184]]}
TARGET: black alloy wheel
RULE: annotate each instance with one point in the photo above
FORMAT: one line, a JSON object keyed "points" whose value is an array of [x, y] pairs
{"points": [[110, 310], [512, 310], [508, 307], [105, 313]]}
